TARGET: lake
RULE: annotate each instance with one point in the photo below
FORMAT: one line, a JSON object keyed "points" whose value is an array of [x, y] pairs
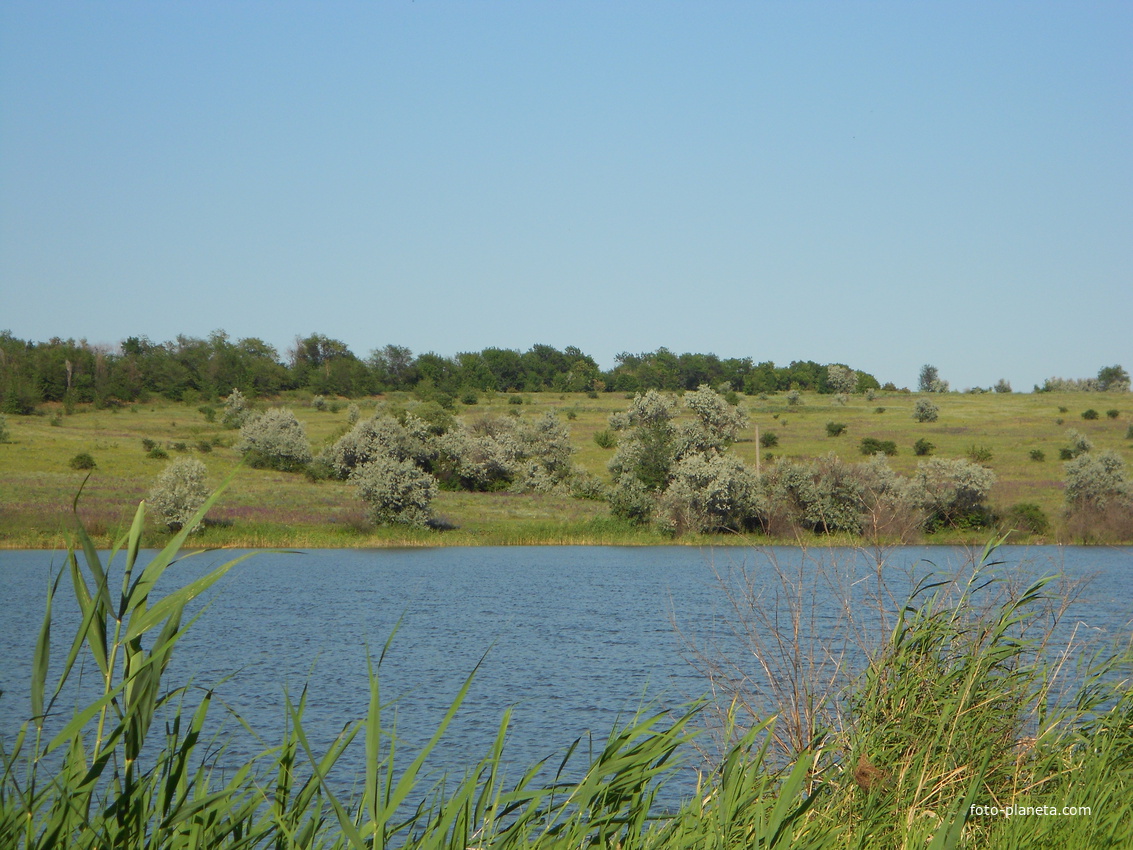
{"points": [[572, 637]]}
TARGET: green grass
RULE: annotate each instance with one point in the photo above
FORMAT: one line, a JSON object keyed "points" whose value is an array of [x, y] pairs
{"points": [[268, 508], [954, 709]]}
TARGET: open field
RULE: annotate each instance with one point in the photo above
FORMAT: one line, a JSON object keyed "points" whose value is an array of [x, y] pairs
{"points": [[267, 508]]}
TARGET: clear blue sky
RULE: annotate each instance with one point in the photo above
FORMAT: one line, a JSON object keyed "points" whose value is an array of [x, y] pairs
{"points": [[882, 184]]}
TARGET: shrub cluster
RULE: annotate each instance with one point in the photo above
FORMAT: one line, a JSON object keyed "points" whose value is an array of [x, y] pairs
{"points": [[400, 459], [275, 439], [682, 476]]}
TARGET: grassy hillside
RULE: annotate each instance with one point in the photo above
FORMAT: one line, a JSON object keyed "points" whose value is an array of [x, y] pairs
{"points": [[266, 508]]}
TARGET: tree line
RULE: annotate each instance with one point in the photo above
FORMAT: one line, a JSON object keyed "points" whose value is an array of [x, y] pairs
{"points": [[190, 369]]}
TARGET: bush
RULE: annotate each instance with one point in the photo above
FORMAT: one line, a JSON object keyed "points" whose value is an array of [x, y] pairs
{"points": [[148, 444], [515, 399], [606, 439], [4, 433], [319, 403], [923, 448], [835, 429], [873, 446], [979, 454], [794, 399], [180, 446], [1038, 455], [275, 440], [179, 492], [879, 410], [407, 437], [1028, 517], [1095, 480], [396, 492], [631, 500], [1089, 413], [1113, 414], [208, 412], [769, 439], [1129, 432], [82, 460], [824, 497], [236, 410], [204, 446], [710, 492], [469, 397], [925, 411], [951, 493], [157, 453], [1079, 444]]}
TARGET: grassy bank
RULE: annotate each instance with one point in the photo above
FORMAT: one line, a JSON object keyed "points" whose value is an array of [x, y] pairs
{"points": [[272, 509], [954, 712]]}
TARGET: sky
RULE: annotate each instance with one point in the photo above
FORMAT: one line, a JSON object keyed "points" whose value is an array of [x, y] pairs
{"points": [[878, 184]]}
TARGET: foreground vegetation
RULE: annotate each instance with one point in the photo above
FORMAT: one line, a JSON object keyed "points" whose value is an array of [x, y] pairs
{"points": [[961, 706], [1019, 438]]}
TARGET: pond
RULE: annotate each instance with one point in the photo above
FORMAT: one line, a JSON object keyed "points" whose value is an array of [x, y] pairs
{"points": [[573, 638]]}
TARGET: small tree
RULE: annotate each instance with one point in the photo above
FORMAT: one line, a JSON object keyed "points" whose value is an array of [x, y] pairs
{"points": [[841, 379], [929, 378], [179, 492], [1113, 379], [275, 440], [236, 410], [926, 411], [1003, 386], [396, 492]]}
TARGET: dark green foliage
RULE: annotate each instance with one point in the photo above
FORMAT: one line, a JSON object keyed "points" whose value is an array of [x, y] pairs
{"points": [[148, 444], [835, 429], [180, 447], [923, 448], [204, 446], [1129, 432], [1037, 455], [157, 453], [1113, 414], [208, 411], [879, 410], [82, 460], [1066, 453], [469, 397], [979, 454], [606, 439], [1062, 409], [768, 439], [1113, 378], [1028, 517], [515, 399], [1089, 413], [872, 446]]}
